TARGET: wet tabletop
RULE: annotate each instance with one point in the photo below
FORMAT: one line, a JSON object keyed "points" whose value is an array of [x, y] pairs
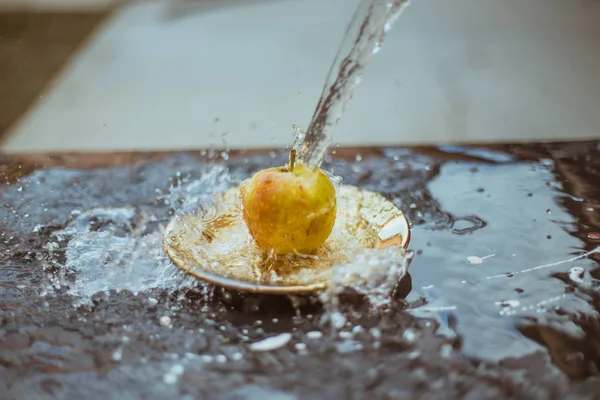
{"points": [[501, 300]]}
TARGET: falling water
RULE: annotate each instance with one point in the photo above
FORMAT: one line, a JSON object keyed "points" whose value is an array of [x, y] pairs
{"points": [[364, 36]]}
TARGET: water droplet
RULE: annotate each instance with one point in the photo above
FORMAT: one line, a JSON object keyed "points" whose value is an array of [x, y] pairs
{"points": [[474, 260], [345, 335], [337, 320], [221, 358], [174, 373], [446, 350], [478, 260], [206, 358], [508, 303], [314, 335], [117, 355], [409, 335], [576, 274], [271, 343], [300, 346], [375, 332]]}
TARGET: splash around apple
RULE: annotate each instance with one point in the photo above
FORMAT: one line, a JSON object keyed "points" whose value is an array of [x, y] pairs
{"points": [[289, 209]]}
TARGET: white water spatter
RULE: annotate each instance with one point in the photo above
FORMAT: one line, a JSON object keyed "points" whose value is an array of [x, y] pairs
{"points": [[185, 195], [117, 354], [348, 346], [271, 343], [298, 135], [373, 274], [120, 248], [437, 308], [513, 307], [446, 350], [508, 303], [314, 335], [409, 335], [478, 260], [543, 266], [576, 274], [335, 179], [172, 376], [301, 347]]}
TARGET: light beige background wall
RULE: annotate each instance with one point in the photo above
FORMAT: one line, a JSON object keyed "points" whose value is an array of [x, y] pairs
{"points": [[459, 70]]}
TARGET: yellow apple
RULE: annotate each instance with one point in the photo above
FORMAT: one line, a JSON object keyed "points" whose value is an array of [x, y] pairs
{"points": [[289, 209]]}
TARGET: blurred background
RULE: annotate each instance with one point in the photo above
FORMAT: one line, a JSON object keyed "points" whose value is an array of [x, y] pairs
{"points": [[101, 75]]}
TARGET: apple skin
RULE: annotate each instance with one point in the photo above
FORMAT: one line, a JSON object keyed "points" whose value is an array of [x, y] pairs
{"points": [[289, 211]]}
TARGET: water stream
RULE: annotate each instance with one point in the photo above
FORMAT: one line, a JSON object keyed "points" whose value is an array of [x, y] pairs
{"points": [[364, 38]]}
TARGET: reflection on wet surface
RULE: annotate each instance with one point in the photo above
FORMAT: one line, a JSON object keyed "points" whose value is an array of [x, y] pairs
{"points": [[505, 272]]}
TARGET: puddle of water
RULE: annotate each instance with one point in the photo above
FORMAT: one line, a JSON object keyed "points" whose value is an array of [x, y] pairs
{"points": [[494, 308], [526, 235]]}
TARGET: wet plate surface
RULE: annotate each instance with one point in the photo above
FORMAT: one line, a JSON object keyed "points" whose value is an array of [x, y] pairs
{"points": [[214, 244], [501, 301]]}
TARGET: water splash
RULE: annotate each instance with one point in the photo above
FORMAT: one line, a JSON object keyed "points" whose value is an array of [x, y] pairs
{"points": [[121, 248], [185, 195], [373, 274], [364, 37], [108, 249]]}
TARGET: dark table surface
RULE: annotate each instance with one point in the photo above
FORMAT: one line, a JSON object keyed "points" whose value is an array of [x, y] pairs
{"points": [[91, 308]]}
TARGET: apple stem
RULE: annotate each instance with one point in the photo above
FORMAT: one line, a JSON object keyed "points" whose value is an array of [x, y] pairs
{"points": [[292, 159]]}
